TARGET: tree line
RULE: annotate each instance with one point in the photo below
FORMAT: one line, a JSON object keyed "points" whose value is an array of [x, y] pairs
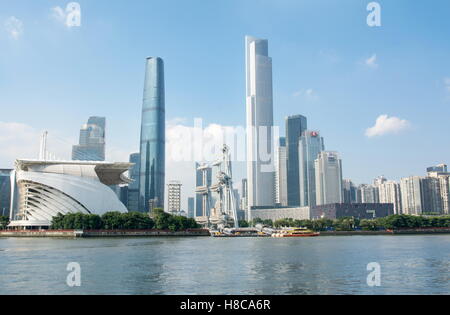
{"points": [[123, 221], [4, 222], [393, 222]]}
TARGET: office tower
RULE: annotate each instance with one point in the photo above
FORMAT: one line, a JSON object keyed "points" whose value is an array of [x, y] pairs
{"points": [[309, 147], [191, 207], [244, 194], [91, 145], [295, 126], [237, 199], [368, 194], [203, 179], [328, 169], [133, 187], [389, 192], [174, 197], [281, 173], [411, 192], [152, 153], [5, 192], [349, 191], [431, 195], [260, 159]]}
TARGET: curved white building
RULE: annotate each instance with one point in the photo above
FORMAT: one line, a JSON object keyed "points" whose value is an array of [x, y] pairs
{"points": [[42, 189]]}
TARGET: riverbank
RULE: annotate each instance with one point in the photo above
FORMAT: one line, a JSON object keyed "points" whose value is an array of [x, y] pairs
{"points": [[419, 231], [105, 233]]}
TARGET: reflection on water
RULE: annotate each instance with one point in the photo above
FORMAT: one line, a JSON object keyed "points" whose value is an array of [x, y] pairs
{"points": [[325, 265]]}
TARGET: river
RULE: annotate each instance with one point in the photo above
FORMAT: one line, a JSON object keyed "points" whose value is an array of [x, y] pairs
{"points": [[244, 266]]}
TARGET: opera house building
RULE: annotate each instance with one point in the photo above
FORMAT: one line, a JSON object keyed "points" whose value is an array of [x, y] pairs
{"points": [[43, 189]]}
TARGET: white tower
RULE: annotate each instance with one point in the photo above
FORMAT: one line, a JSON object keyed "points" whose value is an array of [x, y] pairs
{"points": [[260, 161]]}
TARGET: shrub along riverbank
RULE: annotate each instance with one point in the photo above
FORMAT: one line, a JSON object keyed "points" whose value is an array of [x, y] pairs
{"points": [[123, 221], [394, 222]]}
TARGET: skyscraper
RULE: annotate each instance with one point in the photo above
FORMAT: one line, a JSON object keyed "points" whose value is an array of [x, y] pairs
{"points": [[295, 126], [91, 145], [310, 145], [260, 160], [133, 188], [349, 191], [328, 169], [281, 173], [191, 207], [152, 153], [5, 191]]}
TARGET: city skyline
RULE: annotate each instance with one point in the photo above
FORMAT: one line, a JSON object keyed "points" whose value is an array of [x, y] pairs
{"points": [[303, 60]]}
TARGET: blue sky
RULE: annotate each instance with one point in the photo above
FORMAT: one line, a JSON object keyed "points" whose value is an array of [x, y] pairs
{"points": [[328, 65]]}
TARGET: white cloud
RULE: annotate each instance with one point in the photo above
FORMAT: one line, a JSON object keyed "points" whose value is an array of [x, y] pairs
{"points": [[14, 27], [371, 62], [59, 14], [387, 125], [447, 84], [309, 94]]}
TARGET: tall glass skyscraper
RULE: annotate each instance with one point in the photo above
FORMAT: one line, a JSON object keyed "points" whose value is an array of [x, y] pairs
{"points": [[295, 126], [152, 154], [260, 170], [5, 191], [310, 145], [91, 146]]}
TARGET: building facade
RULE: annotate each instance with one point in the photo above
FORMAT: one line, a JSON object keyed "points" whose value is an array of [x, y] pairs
{"points": [[389, 192], [92, 143], [295, 126], [274, 214], [260, 169], [43, 189], [174, 197], [356, 210], [310, 145], [5, 192], [349, 191], [203, 175], [133, 187], [411, 192], [191, 207], [152, 150], [281, 174], [328, 168]]}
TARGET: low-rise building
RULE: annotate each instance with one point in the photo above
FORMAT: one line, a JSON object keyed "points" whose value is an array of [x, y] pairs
{"points": [[355, 210]]}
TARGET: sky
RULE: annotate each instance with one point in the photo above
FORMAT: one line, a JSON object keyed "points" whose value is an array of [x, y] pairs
{"points": [[380, 96]]}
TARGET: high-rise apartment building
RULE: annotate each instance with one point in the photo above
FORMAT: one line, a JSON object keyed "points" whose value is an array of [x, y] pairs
{"points": [[260, 155], [152, 148], [367, 194], [310, 145], [431, 195], [281, 173], [389, 192], [244, 194], [295, 126], [91, 145], [174, 197], [411, 192], [328, 168]]}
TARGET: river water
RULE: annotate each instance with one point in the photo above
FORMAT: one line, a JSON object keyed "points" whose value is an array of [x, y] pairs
{"points": [[203, 265]]}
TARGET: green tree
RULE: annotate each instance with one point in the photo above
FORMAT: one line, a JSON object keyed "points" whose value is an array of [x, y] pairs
{"points": [[4, 222]]}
